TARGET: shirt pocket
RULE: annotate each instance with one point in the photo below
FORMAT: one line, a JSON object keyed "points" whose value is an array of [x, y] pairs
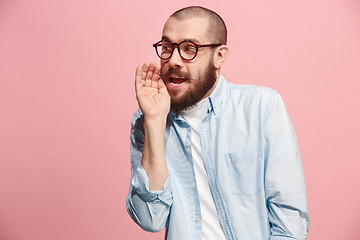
{"points": [[244, 168]]}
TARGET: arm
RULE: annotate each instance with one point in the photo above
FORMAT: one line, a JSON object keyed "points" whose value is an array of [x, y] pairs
{"points": [[154, 102], [149, 198], [284, 179]]}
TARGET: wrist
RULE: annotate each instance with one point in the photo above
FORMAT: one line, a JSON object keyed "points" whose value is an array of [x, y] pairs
{"points": [[158, 118], [157, 122]]}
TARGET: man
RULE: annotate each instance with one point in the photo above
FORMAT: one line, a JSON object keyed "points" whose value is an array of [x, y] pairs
{"points": [[210, 159]]}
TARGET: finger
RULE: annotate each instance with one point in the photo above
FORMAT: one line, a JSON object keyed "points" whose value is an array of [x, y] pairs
{"points": [[156, 76], [158, 68], [145, 69], [161, 84], [149, 75], [139, 82], [162, 87]]}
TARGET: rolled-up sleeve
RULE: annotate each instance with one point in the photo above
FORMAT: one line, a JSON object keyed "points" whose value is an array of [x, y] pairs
{"points": [[149, 209], [284, 178]]}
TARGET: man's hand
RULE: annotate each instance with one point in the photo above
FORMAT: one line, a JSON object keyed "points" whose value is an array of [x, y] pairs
{"points": [[151, 92]]}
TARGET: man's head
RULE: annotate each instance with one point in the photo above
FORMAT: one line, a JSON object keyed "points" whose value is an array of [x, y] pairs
{"points": [[189, 81], [216, 32]]}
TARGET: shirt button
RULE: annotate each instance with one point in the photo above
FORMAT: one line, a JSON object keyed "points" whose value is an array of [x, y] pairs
{"points": [[188, 150], [197, 219], [194, 185]]}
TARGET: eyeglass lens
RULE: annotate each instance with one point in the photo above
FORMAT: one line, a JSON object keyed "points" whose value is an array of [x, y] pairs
{"points": [[188, 50]]}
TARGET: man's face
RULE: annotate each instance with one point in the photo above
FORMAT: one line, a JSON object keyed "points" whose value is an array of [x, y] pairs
{"points": [[188, 81]]}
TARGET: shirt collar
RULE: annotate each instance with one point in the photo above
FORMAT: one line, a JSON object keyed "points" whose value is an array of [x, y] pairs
{"points": [[217, 96]]}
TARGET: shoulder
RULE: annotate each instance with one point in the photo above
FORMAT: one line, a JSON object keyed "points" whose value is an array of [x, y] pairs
{"points": [[250, 90], [251, 95]]}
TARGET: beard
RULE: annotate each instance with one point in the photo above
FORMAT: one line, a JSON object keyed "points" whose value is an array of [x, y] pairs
{"points": [[200, 87]]}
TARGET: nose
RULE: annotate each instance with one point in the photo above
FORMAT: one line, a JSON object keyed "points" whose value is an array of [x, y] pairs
{"points": [[175, 59]]}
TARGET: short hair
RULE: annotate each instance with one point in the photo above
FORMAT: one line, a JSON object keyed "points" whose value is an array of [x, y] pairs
{"points": [[217, 32]]}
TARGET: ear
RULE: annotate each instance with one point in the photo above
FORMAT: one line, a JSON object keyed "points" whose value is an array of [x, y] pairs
{"points": [[220, 56]]}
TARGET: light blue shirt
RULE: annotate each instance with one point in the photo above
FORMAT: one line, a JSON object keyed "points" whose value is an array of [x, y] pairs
{"points": [[253, 165]]}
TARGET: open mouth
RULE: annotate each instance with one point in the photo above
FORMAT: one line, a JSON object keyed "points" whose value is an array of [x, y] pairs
{"points": [[175, 81]]}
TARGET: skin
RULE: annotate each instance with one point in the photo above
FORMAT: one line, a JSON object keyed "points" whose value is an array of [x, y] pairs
{"points": [[154, 95]]}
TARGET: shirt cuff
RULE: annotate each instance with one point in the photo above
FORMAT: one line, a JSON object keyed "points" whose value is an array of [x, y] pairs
{"points": [[140, 185]]}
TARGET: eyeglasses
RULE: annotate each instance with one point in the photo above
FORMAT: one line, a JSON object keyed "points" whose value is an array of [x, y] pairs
{"points": [[187, 49]]}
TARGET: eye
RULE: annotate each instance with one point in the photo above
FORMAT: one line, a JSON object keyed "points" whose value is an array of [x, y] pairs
{"points": [[165, 47], [190, 48]]}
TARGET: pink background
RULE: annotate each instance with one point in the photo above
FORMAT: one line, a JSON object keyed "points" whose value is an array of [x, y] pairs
{"points": [[67, 97]]}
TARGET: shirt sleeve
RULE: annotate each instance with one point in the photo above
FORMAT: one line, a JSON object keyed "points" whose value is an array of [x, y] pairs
{"points": [[149, 209], [284, 178]]}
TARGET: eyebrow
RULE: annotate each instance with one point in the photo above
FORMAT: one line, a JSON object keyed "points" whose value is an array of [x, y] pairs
{"points": [[187, 39]]}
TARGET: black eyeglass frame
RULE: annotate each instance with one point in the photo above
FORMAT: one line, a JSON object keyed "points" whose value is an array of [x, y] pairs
{"points": [[197, 46]]}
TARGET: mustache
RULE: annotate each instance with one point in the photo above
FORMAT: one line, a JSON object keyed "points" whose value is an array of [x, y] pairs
{"points": [[175, 71]]}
